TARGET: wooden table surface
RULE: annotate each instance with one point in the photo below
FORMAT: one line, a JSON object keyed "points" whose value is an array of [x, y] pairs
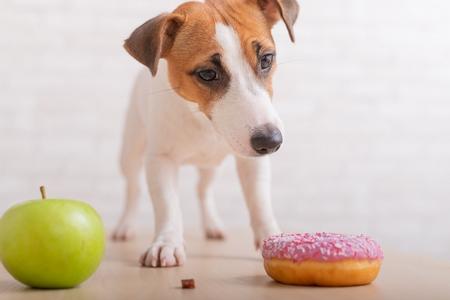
{"points": [[231, 270]]}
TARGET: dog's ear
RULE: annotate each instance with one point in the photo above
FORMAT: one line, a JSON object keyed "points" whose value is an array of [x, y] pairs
{"points": [[287, 10], [153, 39]]}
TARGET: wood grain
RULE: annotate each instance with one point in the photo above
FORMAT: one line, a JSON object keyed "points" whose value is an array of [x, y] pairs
{"points": [[231, 270]]}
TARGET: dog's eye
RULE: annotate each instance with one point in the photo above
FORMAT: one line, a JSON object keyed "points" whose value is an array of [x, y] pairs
{"points": [[266, 61], [208, 75]]}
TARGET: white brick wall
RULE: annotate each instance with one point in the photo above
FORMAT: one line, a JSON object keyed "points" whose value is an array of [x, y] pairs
{"points": [[365, 96]]}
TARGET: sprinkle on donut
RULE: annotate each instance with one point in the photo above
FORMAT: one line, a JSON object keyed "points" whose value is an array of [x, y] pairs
{"points": [[300, 247]]}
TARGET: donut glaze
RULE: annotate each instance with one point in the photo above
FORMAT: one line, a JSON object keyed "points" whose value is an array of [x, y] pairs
{"points": [[326, 259]]}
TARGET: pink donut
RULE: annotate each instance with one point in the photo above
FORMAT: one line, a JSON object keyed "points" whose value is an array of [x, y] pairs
{"points": [[326, 259]]}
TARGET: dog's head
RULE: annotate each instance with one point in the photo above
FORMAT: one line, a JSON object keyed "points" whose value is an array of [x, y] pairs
{"points": [[221, 55]]}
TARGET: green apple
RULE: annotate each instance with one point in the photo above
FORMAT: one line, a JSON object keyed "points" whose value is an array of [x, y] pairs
{"points": [[51, 243]]}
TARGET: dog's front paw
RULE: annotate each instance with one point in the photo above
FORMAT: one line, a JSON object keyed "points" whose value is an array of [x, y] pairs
{"points": [[124, 231], [263, 232], [214, 233], [163, 254], [213, 229]]}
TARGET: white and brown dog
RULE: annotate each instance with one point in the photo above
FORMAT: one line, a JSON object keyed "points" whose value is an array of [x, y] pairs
{"points": [[211, 98]]}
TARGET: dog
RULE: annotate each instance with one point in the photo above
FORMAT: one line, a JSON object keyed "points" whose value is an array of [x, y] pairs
{"points": [[210, 97]]}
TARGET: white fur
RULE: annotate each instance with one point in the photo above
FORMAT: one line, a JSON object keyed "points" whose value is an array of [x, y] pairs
{"points": [[246, 105], [164, 131]]}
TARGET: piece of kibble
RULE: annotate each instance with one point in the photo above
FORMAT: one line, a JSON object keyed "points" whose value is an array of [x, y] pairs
{"points": [[188, 284]]}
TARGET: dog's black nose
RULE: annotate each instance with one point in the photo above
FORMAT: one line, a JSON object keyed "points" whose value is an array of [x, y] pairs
{"points": [[266, 139]]}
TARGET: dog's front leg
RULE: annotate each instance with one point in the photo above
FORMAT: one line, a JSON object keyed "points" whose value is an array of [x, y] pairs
{"points": [[254, 174], [167, 248]]}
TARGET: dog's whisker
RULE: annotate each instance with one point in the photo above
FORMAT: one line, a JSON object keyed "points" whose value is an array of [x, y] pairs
{"points": [[163, 91], [291, 61], [197, 111]]}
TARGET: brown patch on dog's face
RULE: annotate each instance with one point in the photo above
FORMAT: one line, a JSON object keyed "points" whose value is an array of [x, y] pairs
{"points": [[195, 66]]}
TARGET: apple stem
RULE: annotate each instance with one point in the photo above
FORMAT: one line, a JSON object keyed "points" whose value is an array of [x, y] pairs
{"points": [[43, 193]]}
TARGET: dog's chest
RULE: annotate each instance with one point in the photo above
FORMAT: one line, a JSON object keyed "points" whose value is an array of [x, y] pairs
{"points": [[211, 156], [200, 145]]}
